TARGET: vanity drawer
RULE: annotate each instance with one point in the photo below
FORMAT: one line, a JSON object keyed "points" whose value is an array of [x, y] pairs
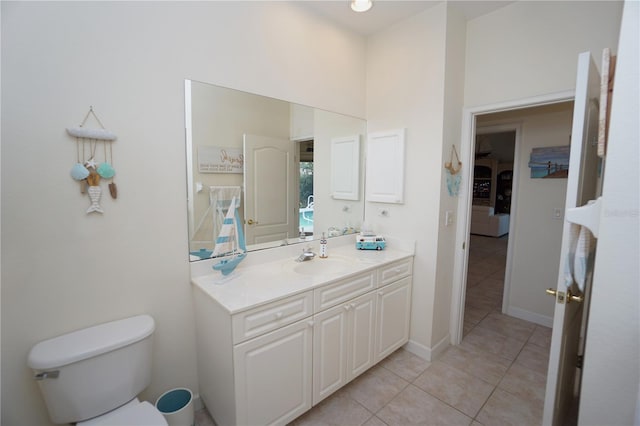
{"points": [[343, 290], [390, 273], [263, 319]]}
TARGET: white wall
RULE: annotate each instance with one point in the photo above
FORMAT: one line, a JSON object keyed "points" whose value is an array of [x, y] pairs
{"points": [[519, 51], [62, 269], [327, 211], [611, 373], [405, 76], [538, 236], [530, 48], [452, 126]]}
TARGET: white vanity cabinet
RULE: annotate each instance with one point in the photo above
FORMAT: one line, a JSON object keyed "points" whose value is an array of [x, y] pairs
{"points": [[272, 361]]}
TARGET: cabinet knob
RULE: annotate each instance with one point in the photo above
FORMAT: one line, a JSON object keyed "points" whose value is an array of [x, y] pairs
{"points": [[353, 306], [310, 323], [381, 293], [279, 315], [347, 307]]}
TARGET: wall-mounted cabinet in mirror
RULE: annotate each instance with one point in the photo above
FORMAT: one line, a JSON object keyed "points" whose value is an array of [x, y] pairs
{"points": [[276, 158]]}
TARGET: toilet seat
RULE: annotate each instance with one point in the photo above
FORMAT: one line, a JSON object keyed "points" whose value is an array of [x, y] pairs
{"points": [[133, 413]]}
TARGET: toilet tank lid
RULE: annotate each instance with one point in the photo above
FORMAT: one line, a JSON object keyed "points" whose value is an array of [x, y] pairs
{"points": [[89, 342]]}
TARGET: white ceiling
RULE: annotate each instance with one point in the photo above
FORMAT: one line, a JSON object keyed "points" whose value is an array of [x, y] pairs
{"points": [[385, 13]]}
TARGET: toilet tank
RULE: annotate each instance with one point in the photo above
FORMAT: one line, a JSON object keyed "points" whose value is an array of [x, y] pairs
{"points": [[91, 371]]}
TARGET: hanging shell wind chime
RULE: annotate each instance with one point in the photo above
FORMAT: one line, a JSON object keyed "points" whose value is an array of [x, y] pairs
{"points": [[85, 170]]}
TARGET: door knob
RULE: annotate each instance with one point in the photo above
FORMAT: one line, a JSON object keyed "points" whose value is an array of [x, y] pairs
{"points": [[561, 296], [252, 222]]}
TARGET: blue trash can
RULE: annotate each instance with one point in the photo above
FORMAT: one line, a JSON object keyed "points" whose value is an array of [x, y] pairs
{"points": [[176, 405]]}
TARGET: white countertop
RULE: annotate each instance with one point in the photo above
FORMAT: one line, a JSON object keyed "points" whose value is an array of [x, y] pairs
{"points": [[271, 276]]}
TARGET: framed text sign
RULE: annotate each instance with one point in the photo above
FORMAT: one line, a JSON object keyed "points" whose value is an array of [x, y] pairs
{"points": [[215, 159]]}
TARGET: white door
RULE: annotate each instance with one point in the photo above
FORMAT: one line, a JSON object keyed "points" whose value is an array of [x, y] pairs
{"points": [[269, 189], [563, 378]]}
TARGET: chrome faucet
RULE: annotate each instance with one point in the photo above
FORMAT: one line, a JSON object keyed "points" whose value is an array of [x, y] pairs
{"points": [[306, 254]]}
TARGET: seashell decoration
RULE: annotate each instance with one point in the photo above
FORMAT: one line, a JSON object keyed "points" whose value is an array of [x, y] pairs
{"points": [[105, 170], [79, 172], [86, 170]]}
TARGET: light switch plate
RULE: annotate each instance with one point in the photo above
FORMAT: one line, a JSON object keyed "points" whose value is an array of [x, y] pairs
{"points": [[448, 218], [557, 213]]}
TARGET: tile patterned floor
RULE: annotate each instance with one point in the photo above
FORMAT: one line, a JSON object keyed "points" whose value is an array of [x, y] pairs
{"points": [[496, 376]]}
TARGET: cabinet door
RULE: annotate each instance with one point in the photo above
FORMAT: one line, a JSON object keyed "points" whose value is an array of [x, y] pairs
{"points": [[362, 330], [394, 309], [273, 375], [330, 342]]}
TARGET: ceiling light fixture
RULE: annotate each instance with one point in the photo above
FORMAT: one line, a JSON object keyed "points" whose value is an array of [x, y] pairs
{"points": [[361, 5]]}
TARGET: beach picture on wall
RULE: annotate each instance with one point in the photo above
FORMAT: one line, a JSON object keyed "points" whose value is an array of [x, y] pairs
{"points": [[550, 162]]}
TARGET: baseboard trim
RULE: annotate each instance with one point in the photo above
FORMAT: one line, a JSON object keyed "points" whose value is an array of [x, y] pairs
{"points": [[530, 316], [440, 347], [425, 352], [197, 402]]}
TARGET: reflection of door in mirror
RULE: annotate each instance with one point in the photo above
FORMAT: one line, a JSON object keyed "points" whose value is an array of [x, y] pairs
{"points": [[269, 189]]}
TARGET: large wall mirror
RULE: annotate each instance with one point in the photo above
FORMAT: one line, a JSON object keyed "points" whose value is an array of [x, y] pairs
{"points": [[295, 170]]}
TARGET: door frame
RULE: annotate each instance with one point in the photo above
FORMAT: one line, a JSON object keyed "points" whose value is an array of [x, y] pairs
{"points": [[467, 143]]}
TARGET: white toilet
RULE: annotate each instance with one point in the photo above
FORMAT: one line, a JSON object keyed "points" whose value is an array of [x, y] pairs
{"points": [[92, 376]]}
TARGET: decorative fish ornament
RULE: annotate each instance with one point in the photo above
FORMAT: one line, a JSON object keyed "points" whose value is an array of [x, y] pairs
{"points": [[95, 192]]}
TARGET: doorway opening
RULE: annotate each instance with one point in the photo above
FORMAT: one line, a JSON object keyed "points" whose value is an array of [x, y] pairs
{"points": [[305, 188], [495, 118], [490, 217]]}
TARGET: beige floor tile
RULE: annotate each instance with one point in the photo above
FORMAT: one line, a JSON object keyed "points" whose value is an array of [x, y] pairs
{"points": [[487, 292], [374, 421], [508, 326], [483, 268], [525, 383], [336, 410], [405, 364], [375, 388], [467, 327], [534, 357], [475, 315], [487, 367], [541, 337], [455, 387], [413, 406], [474, 279], [485, 340], [493, 285], [505, 409], [482, 302]]}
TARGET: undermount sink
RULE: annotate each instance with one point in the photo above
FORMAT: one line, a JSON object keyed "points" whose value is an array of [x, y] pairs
{"points": [[320, 266]]}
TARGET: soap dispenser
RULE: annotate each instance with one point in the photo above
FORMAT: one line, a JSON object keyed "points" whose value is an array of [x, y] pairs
{"points": [[323, 247]]}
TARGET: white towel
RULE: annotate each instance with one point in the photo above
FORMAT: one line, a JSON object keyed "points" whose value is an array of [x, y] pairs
{"points": [[574, 232], [579, 262], [583, 262]]}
